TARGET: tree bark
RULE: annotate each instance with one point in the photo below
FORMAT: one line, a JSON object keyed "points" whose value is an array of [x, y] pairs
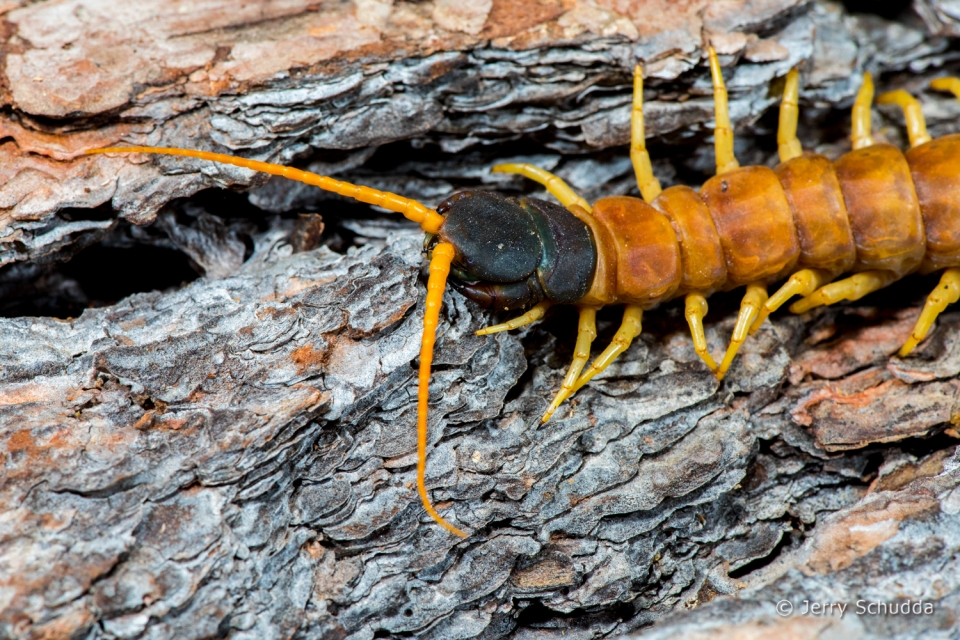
{"points": [[236, 456]]}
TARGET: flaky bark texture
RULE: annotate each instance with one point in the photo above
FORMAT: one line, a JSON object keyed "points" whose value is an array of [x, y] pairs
{"points": [[235, 456]]}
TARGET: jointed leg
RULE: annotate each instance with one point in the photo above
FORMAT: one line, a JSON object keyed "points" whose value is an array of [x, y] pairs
{"points": [[722, 132], [860, 126], [629, 329], [802, 283], [787, 143], [648, 183], [586, 332], [916, 125], [852, 288], [947, 292], [529, 317], [951, 84], [696, 309], [754, 299], [554, 184]]}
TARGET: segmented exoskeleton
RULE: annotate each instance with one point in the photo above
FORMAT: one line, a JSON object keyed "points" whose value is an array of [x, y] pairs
{"points": [[875, 211]]}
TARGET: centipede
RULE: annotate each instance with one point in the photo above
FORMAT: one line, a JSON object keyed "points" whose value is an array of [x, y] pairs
{"points": [[825, 230]]}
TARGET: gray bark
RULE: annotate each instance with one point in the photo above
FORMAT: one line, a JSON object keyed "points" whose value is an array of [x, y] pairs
{"points": [[236, 456]]}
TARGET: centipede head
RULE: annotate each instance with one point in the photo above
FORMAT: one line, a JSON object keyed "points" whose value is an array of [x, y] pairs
{"points": [[498, 249]]}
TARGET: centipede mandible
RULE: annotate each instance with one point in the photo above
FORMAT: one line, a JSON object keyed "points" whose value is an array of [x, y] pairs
{"points": [[824, 230]]}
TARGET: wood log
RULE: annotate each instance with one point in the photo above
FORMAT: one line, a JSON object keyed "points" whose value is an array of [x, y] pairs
{"points": [[235, 456]]}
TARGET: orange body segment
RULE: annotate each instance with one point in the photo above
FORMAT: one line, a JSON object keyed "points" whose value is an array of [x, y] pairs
{"points": [[755, 224], [935, 168], [648, 254], [701, 256], [603, 289], [883, 208], [819, 213]]}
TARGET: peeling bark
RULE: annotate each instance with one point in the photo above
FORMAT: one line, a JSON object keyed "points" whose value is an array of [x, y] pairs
{"points": [[236, 456]]}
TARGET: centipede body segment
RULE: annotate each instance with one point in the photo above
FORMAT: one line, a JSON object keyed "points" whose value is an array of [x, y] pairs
{"points": [[876, 214]]}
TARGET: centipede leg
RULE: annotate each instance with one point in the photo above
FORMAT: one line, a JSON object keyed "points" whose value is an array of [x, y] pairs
{"points": [[787, 144], [912, 113], [529, 317], [947, 292], [802, 283], [696, 310], [552, 183], [629, 329], [950, 83], [861, 125], [586, 333], [852, 288], [646, 181], [754, 299], [722, 131]]}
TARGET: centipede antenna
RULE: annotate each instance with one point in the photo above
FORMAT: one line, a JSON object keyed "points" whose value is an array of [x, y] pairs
{"points": [[646, 181], [427, 218], [722, 132], [860, 125], [912, 113], [787, 144], [443, 255]]}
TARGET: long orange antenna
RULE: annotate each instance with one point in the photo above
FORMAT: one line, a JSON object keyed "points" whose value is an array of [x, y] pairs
{"points": [[443, 255], [427, 218]]}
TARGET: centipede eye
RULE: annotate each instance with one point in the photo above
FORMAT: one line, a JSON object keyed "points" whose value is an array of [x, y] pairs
{"points": [[496, 240]]}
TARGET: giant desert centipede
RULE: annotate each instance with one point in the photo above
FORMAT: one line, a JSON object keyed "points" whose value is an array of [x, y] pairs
{"points": [[875, 212]]}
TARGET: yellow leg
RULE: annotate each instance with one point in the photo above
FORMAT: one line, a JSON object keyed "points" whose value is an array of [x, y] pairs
{"points": [[586, 333], [787, 143], [696, 310], [860, 127], [629, 329], [912, 113], [950, 84], [529, 317], [754, 299], [722, 132], [852, 288], [648, 183], [947, 292], [802, 283], [554, 184]]}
